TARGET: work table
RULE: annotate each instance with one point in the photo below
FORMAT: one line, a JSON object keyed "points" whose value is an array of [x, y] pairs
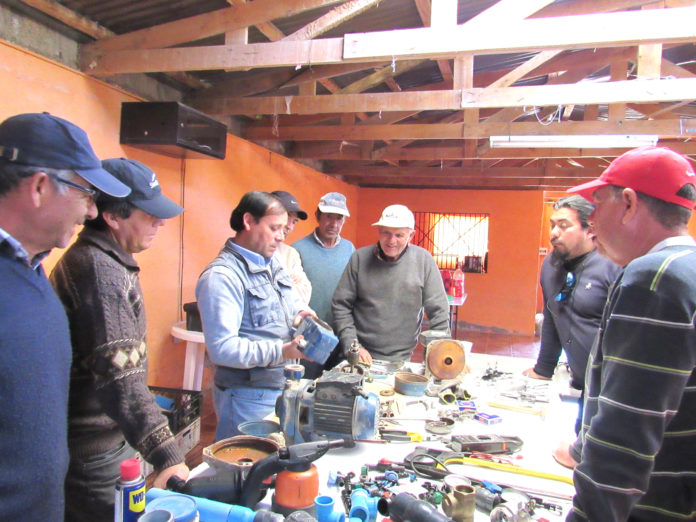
{"points": [[540, 425]]}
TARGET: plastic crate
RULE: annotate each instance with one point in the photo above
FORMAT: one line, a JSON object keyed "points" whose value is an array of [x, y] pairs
{"points": [[181, 407], [187, 439]]}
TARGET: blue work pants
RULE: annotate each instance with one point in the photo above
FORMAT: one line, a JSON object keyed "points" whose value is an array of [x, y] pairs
{"points": [[237, 404]]}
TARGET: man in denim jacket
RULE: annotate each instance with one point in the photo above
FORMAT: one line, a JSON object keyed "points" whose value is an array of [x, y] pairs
{"points": [[248, 309]]}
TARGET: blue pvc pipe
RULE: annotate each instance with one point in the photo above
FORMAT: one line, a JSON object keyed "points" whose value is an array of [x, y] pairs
{"points": [[362, 505], [210, 510], [324, 505]]}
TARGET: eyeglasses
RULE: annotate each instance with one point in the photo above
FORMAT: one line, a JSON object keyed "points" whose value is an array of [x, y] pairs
{"points": [[92, 193], [567, 288]]}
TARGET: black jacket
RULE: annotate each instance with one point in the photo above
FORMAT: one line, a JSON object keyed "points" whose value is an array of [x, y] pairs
{"points": [[571, 324]]}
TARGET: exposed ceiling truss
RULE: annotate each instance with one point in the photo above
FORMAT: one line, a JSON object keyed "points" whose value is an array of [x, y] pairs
{"points": [[405, 93]]}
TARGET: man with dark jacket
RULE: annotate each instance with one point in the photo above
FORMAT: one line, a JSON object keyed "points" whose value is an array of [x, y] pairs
{"points": [[575, 281], [112, 413]]}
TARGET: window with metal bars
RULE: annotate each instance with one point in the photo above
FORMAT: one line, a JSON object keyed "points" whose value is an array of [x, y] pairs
{"points": [[454, 239]]}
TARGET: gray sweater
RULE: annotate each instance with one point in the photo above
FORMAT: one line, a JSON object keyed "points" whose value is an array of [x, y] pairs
{"points": [[381, 303]]}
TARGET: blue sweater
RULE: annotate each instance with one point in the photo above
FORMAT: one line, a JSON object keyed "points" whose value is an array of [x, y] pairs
{"points": [[323, 267], [35, 359]]}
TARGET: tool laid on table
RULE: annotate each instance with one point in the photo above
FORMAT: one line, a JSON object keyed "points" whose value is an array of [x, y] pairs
{"points": [[485, 443], [400, 435], [532, 410], [512, 468], [296, 483], [432, 463]]}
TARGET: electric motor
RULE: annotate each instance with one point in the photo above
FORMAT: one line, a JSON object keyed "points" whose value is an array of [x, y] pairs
{"points": [[332, 406]]}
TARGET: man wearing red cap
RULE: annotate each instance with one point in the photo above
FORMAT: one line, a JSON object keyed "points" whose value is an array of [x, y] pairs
{"points": [[639, 425]]}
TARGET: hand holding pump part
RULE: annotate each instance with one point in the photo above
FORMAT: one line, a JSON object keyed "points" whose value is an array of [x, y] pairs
{"points": [[319, 339]]}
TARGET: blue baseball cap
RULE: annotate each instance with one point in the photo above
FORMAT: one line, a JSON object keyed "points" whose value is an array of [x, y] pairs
{"points": [[43, 140], [290, 203], [146, 193]]}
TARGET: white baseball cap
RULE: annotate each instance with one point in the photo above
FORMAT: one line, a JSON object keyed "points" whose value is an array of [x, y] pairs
{"points": [[396, 216], [333, 203]]}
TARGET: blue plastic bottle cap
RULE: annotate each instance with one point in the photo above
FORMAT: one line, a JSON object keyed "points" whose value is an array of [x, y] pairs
{"points": [[182, 508]]}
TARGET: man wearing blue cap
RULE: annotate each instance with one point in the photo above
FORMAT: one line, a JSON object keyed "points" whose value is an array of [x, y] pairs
{"points": [[111, 411], [49, 178]]}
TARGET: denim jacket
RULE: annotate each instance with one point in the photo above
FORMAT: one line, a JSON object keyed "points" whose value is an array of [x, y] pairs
{"points": [[247, 312]]}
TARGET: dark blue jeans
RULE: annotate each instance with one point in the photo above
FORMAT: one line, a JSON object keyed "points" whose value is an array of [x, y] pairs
{"points": [[90, 485]]}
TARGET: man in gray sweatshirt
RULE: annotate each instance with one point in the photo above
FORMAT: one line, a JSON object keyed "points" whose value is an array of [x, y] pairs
{"points": [[385, 290]]}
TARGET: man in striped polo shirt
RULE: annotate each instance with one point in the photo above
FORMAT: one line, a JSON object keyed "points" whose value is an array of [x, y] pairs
{"points": [[636, 445]]}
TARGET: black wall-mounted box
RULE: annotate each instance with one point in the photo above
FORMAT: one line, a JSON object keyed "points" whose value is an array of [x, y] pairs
{"points": [[173, 129]]}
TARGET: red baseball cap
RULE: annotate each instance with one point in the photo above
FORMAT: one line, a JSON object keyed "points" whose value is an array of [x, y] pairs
{"points": [[654, 171]]}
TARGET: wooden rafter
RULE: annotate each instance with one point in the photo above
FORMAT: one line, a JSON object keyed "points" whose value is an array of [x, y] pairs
{"points": [[635, 91], [627, 29], [674, 128]]}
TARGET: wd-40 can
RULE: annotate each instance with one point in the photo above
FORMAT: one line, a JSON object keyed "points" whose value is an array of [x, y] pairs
{"points": [[130, 492]]}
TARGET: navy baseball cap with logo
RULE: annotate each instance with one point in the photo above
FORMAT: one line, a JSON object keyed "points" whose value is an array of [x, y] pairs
{"points": [[290, 203], [146, 193], [43, 140]]}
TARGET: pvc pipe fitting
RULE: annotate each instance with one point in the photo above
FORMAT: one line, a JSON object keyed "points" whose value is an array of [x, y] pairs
{"points": [[363, 506], [209, 510], [324, 505]]}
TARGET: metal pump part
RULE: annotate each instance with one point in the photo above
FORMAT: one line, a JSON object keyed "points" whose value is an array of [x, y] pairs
{"points": [[333, 406]]}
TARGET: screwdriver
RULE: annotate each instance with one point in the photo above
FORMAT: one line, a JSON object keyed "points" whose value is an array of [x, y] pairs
{"points": [[400, 436]]}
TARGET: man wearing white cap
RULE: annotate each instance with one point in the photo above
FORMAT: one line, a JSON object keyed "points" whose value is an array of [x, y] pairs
{"points": [[639, 426], [324, 255], [385, 290]]}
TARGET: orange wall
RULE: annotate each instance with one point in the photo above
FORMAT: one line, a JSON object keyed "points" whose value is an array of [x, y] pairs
{"points": [[208, 189], [213, 188], [505, 297]]}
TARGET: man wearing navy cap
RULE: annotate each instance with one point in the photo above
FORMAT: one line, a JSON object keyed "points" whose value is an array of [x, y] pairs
{"points": [[111, 412], [49, 177], [639, 423], [288, 256]]}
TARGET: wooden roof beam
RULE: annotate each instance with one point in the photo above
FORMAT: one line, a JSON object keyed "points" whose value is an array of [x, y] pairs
{"points": [[629, 91], [627, 29], [581, 31], [322, 150], [204, 25], [97, 31], [674, 128]]}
